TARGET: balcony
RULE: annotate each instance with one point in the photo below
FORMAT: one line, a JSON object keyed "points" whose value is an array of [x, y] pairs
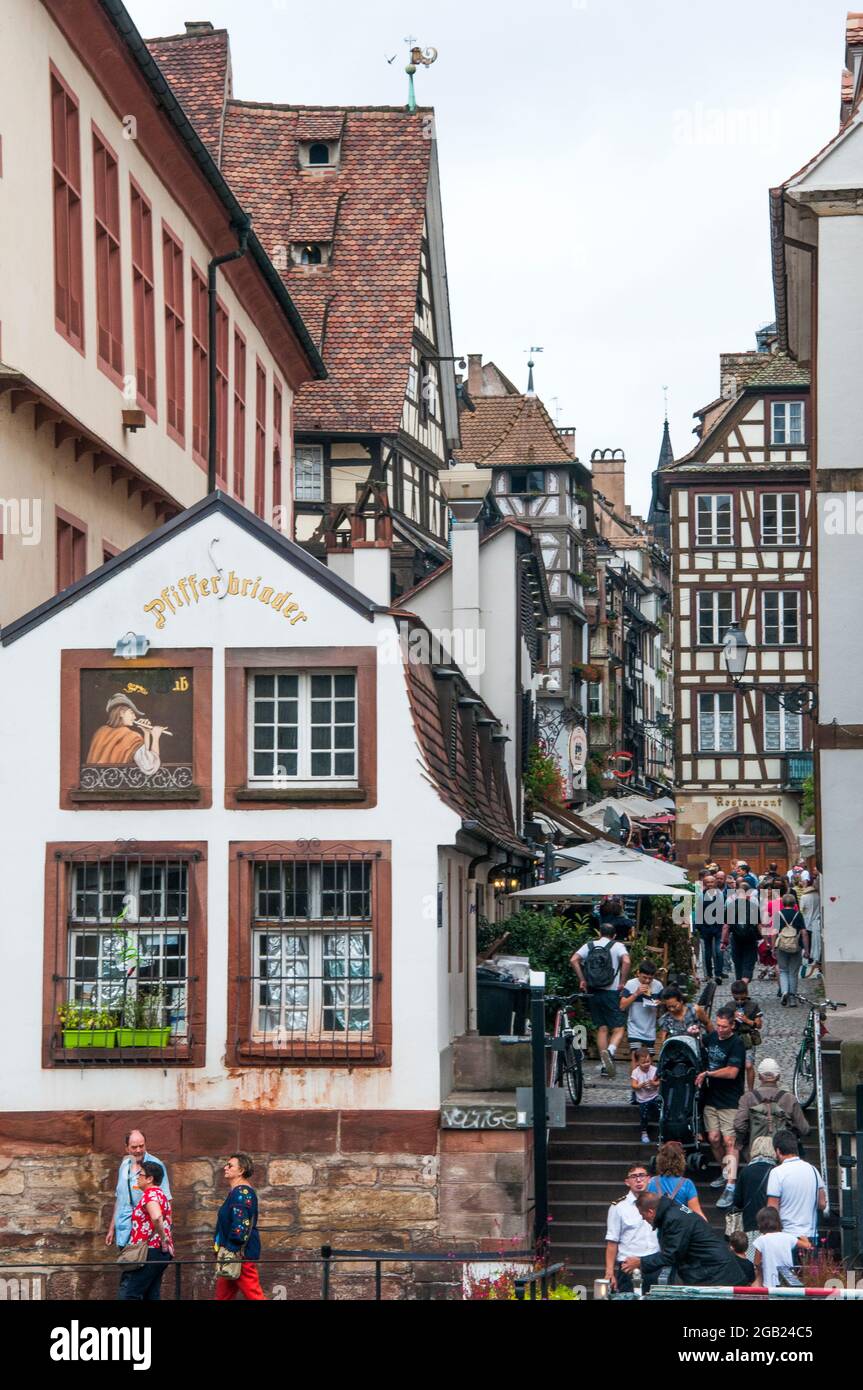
{"points": [[798, 766]]}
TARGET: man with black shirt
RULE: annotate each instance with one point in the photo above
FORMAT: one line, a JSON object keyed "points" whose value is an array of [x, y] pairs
{"points": [[697, 1254], [710, 919], [612, 911], [721, 1087]]}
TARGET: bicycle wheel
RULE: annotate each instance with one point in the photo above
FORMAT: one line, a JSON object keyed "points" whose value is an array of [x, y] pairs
{"points": [[804, 1075], [572, 1072]]}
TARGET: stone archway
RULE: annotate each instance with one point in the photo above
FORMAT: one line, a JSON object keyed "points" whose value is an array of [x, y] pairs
{"points": [[755, 836]]}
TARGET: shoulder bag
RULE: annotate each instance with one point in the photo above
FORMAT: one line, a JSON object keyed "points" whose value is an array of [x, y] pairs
{"points": [[229, 1263]]}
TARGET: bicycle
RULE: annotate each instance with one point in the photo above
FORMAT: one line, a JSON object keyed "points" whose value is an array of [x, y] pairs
{"points": [[807, 1065], [567, 1060]]}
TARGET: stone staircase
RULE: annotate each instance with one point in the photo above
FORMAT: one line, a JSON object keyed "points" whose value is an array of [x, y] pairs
{"points": [[587, 1163]]}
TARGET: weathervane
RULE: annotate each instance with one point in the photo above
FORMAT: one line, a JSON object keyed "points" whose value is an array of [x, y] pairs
{"points": [[420, 57], [665, 398], [530, 366]]}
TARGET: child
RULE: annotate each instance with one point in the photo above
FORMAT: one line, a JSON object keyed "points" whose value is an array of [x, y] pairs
{"points": [[645, 1088], [776, 1251], [749, 1021], [739, 1243], [638, 1001]]}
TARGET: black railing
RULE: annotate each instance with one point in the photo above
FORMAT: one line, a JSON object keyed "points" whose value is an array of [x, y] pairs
{"points": [[544, 1279]]}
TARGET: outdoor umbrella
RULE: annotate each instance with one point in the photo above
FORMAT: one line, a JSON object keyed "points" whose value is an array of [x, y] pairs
{"points": [[601, 882], [601, 855]]}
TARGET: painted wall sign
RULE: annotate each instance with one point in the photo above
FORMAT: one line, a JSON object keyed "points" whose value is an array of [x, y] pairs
{"points": [[136, 730], [756, 803], [191, 590], [577, 749]]}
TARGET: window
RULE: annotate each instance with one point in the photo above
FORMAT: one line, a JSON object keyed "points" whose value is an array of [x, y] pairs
{"points": [[787, 422], [222, 350], [527, 480], [71, 551], [277, 453], [717, 723], [260, 438], [109, 307], [413, 383], [175, 335], [303, 726], [319, 153], [427, 392], [714, 519], [780, 518], [715, 616], [594, 699], [783, 728], [309, 470], [125, 939], [143, 300], [200, 371], [311, 253], [239, 415], [781, 617], [68, 259]]}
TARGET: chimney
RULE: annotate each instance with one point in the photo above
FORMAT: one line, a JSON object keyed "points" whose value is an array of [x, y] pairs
{"points": [[196, 27], [359, 547], [608, 467], [474, 373]]}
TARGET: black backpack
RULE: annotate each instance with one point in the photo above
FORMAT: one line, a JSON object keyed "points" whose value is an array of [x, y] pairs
{"points": [[599, 967]]}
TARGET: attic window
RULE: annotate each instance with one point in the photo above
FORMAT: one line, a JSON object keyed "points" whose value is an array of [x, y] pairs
{"points": [[319, 153], [310, 253], [527, 480]]}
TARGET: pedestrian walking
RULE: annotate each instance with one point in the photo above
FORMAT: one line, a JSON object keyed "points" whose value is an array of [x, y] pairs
{"points": [[750, 1190], [749, 1022], [810, 911], [639, 1001], [742, 931], [627, 1233], [709, 919], [602, 968], [721, 1085], [151, 1232], [777, 1251], [238, 1245], [126, 1193], [678, 1015], [795, 1188], [670, 1179], [612, 911], [792, 941], [768, 1108]]}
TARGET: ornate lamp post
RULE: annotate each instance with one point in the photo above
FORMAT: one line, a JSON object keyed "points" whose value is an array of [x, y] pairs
{"points": [[801, 698]]}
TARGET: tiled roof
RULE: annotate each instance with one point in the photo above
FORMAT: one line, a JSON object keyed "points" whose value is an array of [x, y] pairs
{"points": [[773, 369], [509, 431], [359, 308], [320, 125], [198, 68], [854, 28], [468, 796], [311, 212], [778, 370]]}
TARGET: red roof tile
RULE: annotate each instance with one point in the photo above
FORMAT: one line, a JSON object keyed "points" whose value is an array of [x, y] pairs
{"points": [[198, 67], [311, 213], [510, 431], [320, 125]]}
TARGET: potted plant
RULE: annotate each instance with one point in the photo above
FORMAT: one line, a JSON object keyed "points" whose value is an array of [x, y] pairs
{"points": [[84, 1026], [142, 1020]]}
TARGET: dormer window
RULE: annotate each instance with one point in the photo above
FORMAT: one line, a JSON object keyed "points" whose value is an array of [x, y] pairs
{"points": [[527, 480], [310, 252], [319, 153]]}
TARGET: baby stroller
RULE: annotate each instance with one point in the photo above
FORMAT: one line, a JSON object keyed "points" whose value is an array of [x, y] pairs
{"points": [[679, 1063]]}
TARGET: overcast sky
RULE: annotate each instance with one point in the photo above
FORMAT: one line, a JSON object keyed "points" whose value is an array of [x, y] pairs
{"points": [[605, 168]]}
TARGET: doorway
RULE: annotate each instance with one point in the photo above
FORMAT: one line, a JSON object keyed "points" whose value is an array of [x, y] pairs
{"points": [[752, 838]]}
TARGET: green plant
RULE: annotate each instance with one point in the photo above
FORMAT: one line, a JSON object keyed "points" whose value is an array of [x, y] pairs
{"points": [[146, 1009], [503, 1287], [543, 780], [594, 777], [807, 803], [83, 1018]]}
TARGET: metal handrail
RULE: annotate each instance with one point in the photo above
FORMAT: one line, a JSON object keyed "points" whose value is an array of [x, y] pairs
{"points": [[537, 1276]]}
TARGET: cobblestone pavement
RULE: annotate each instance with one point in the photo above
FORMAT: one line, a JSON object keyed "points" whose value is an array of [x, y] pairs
{"points": [[781, 1035]]}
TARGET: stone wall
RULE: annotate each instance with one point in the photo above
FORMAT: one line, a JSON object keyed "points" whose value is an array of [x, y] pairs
{"points": [[352, 1180]]}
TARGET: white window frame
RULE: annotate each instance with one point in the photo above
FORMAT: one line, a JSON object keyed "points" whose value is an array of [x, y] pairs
{"points": [[789, 728], [717, 700], [717, 631], [780, 419], [786, 598], [306, 457], [713, 537], [304, 777], [779, 535]]}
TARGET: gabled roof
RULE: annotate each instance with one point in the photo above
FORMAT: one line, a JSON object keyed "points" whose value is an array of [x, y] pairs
{"points": [[774, 371], [215, 503], [198, 67], [511, 431]]}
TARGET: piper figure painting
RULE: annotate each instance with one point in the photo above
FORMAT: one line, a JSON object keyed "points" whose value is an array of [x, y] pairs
{"points": [[125, 723]]}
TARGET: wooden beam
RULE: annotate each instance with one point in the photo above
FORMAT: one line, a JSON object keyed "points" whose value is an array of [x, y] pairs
{"points": [[101, 460], [45, 414], [133, 484], [63, 431], [118, 471], [22, 396], [84, 445]]}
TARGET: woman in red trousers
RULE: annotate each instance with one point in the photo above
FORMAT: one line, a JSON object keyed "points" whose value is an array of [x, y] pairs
{"points": [[238, 1245]]}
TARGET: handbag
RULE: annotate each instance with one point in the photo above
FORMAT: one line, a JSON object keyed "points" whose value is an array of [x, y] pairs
{"points": [[133, 1254], [229, 1263]]}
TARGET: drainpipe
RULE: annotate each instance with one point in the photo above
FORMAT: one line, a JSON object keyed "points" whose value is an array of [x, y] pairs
{"points": [[242, 229]]}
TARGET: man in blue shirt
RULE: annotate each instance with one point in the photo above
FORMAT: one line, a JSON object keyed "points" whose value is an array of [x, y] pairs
{"points": [[127, 1195]]}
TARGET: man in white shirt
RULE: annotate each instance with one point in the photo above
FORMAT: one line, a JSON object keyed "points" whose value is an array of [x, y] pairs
{"points": [[795, 1188], [627, 1233], [602, 968]]}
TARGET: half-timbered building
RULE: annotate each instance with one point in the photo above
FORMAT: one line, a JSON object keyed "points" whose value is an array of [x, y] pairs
{"points": [[740, 528], [347, 201]]}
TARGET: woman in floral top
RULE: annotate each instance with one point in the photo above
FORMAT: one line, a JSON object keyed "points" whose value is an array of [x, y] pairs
{"points": [[237, 1230], [151, 1224]]}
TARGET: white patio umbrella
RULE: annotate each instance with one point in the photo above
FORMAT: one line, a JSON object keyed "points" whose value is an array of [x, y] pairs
{"points": [[590, 882], [601, 855]]}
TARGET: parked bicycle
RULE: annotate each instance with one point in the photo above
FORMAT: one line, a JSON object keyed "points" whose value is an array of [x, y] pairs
{"points": [[807, 1067], [567, 1057]]}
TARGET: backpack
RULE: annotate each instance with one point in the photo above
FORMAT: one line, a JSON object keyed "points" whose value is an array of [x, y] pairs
{"points": [[788, 939], [766, 1117], [599, 967]]}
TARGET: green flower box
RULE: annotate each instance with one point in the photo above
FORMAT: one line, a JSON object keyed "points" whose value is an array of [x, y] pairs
{"points": [[143, 1037], [89, 1037]]}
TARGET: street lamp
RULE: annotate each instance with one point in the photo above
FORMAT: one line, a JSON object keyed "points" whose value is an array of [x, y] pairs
{"points": [[799, 699]]}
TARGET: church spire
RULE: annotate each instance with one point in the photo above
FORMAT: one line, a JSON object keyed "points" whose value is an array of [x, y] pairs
{"points": [[666, 453]]}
